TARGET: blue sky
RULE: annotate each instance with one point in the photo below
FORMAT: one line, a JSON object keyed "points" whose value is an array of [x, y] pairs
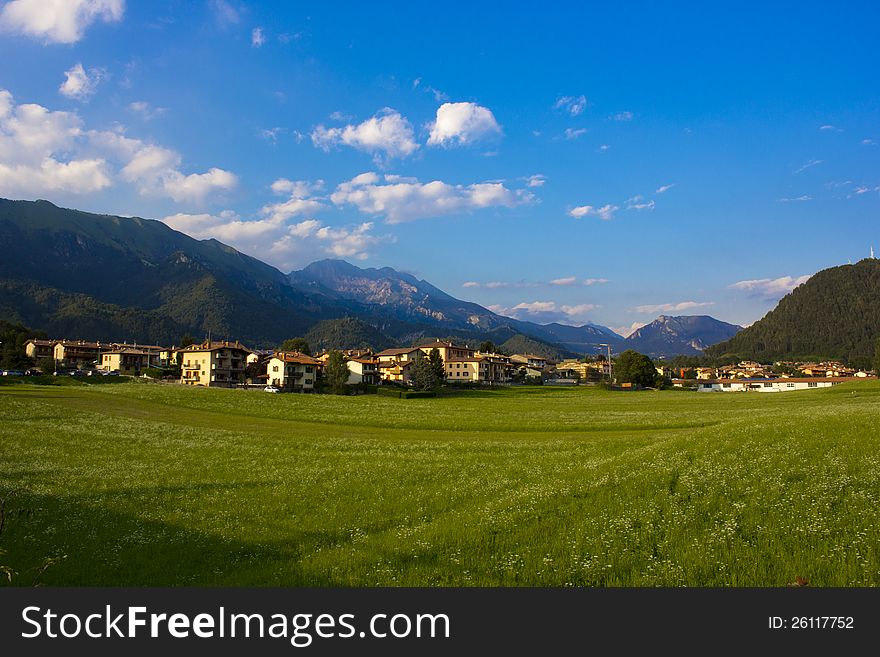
{"points": [[564, 162]]}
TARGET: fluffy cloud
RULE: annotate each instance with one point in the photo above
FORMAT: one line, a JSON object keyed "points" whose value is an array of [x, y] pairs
{"points": [[279, 241], [769, 288], [672, 307], [568, 280], [57, 21], [34, 148], [196, 187], [544, 311], [42, 150], [257, 37], [385, 135], [574, 133], [627, 331], [605, 213], [595, 281], [622, 116], [80, 85], [664, 188], [406, 199], [462, 123], [536, 180], [574, 105]]}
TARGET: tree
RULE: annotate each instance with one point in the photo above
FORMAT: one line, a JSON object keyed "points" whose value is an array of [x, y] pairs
{"points": [[336, 371], [296, 344], [424, 375], [436, 362], [488, 347], [689, 373], [186, 340], [877, 355], [633, 367], [46, 365]]}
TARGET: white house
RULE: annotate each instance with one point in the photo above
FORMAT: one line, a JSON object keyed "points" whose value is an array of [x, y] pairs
{"points": [[770, 385]]}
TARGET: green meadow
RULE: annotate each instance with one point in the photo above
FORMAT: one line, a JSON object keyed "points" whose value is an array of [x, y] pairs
{"points": [[151, 484]]}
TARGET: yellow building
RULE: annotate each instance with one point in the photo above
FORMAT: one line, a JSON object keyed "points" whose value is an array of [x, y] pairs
{"points": [[37, 349], [215, 364], [291, 370], [448, 350], [76, 353], [128, 360]]}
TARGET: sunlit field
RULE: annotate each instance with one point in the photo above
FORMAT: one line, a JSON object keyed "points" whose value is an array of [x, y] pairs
{"points": [[151, 484]]}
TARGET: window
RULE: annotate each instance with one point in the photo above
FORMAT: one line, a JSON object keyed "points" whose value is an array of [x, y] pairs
{"points": [[789, 385], [707, 385], [309, 369], [308, 382], [812, 384], [725, 385], [768, 385]]}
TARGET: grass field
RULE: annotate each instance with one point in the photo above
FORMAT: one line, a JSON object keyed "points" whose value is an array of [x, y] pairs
{"points": [[150, 484]]}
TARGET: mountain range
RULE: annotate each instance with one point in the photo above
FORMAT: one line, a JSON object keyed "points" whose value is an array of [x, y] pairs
{"points": [[84, 275]]}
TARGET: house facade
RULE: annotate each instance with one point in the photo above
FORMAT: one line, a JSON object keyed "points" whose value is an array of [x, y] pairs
{"points": [[78, 353], [213, 364], [363, 370], [291, 370], [128, 360], [37, 349], [770, 385]]}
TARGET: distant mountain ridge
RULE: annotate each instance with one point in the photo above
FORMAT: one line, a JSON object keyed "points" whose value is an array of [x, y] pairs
{"points": [[686, 335], [82, 275]]}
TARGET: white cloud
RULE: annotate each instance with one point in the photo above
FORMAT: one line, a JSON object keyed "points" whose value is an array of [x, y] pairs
{"points": [[574, 105], [830, 128], [461, 124], [796, 199], [196, 187], [80, 85], [672, 307], [580, 309], [868, 142], [36, 152], [42, 150], [771, 288], [627, 331], [257, 37], [604, 147], [536, 180], [568, 280], [407, 199], [622, 116], [387, 134], [57, 21], [278, 241], [648, 205], [595, 281], [543, 311], [145, 110], [605, 213], [574, 133], [808, 165], [297, 188], [664, 188]]}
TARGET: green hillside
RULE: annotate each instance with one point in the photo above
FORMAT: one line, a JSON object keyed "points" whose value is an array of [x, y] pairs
{"points": [[835, 314]]}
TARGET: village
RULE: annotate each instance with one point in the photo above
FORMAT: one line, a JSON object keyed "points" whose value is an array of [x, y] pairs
{"points": [[230, 364]]}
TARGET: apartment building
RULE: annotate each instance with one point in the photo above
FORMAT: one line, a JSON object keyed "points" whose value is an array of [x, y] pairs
{"points": [[214, 364], [291, 370]]}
